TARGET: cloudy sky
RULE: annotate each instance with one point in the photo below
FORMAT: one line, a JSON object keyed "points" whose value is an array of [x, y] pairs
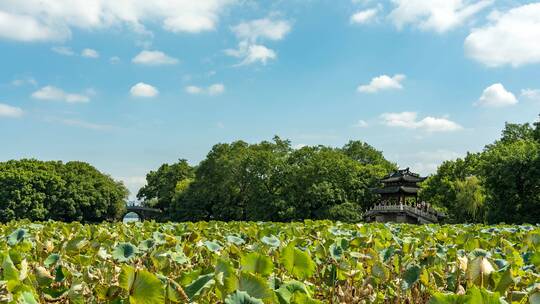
{"points": [[128, 85]]}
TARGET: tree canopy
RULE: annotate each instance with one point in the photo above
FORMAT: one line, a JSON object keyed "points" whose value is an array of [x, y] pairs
{"points": [[499, 184], [271, 181], [72, 191], [161, 185]]}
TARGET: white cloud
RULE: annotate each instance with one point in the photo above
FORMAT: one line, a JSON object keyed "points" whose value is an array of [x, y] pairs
{"points": [[511, 38], [63, 50], [114, 60], [212, 90], [21, 27], [262, 28], [24, 81], [361, 124], [54, 93], [496, 96], [86, 125], [250, 33], [10, 111], [436, 15], [194, 90], [409, 120], [364, 16], [46, 20], [142, 89], [253, 53], [531, 94], [90, 53], [216, 89], [425, 162], [383, 82], [154, 58]]}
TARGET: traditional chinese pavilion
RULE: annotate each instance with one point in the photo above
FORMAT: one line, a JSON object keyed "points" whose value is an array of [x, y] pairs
{"points": [[399, 201]]}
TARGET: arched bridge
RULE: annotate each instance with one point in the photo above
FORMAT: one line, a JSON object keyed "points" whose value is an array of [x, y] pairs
{"points": [[144, 213]]}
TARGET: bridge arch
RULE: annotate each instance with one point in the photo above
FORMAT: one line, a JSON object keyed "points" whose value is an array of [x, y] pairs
{"points": [[144, 213]]}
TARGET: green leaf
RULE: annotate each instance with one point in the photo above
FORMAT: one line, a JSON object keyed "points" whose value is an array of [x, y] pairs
{"points": [[254, 285], [43, 277], [143, 287], [242, 297], [481, 296], [285, 292], [226, 277], [127, 276], [124, 252], [297, 262], [75, 294], [302, 298], [441, 298], [213, 246], [146, 289], [60, 273], [26, 297], [10, 272], [379, 271], [411, 276], [197, 287], [534, 298], [147, 245], [257, 263], [235, 240], [175, 293], [51, 259], [271, 241], [505, 281], [76, 244], [16, 236], [336, 251]]}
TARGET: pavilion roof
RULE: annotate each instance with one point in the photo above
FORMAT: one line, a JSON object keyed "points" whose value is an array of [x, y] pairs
{"points": [[404, 175]]}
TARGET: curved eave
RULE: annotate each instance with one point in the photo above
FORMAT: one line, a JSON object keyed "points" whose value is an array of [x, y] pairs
{"points": [[405, 178], [396, 190]]}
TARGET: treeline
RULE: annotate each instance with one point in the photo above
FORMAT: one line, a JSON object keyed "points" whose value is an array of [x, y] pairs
{"points": [[269, 181], [499, 184], [272, 181], [73, 191]]}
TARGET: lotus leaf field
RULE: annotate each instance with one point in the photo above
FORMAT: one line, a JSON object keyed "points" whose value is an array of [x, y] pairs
{"points": [[248, 262]]}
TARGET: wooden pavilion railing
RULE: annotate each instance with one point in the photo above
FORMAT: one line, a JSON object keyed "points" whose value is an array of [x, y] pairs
{"points": [[431, 216]]}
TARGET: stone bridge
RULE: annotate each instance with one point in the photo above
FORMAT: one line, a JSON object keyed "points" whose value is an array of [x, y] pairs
{"points": [[144, 213]]}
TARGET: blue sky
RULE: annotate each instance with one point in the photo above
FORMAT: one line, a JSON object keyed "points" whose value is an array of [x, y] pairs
{"points": [[129, 85]]}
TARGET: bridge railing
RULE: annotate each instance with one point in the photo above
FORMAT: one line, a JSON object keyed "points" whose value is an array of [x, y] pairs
{"points": [[401, 208]]}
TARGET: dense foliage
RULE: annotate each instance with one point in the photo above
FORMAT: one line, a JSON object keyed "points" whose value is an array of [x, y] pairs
{"points": [[74, 191], [161, 185], [271, 181], [247, 262], [499, 184]]}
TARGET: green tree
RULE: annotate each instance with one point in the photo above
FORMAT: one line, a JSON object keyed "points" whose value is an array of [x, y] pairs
{"points": [[499, 184], [512, 179], [367, 155], [273, 182], [161, 185], [236, 181], [536, 132], [445, 189], [74, 191], [470, 199], [514, 132]]}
